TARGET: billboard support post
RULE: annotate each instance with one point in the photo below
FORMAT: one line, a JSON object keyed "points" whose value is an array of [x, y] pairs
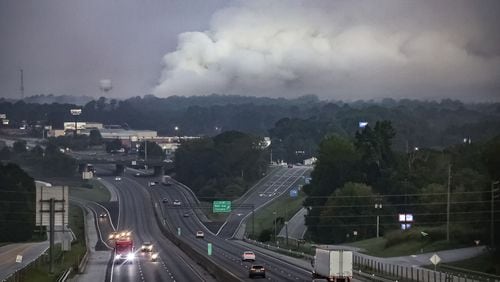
{"points": [[52, 219], [51, 210]]}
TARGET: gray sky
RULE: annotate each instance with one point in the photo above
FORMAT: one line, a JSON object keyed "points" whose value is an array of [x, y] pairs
{"points": [[335, 49]]}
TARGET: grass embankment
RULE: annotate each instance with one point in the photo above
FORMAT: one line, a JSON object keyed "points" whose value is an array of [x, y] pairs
{"points": [[404, 243], [97, 192], [487, 263], [62, 260], [285, 207]]}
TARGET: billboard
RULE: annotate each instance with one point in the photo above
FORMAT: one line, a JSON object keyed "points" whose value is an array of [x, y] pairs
{"points": [[61, 205]]}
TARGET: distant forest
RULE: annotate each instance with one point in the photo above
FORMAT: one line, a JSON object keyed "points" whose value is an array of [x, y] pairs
{"points": [[296, 126]]}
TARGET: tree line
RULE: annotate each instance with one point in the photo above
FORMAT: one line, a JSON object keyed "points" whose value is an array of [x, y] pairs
{"points": [[223, 166], [353, 175]]}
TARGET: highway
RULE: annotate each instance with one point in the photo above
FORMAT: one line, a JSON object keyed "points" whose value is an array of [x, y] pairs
{"points": [[278, 182], [136, 215], [225, 252]]}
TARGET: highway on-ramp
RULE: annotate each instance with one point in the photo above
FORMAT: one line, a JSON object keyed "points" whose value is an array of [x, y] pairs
{"points": [[279, 182]]}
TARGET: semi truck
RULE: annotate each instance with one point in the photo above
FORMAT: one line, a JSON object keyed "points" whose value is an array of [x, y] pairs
{"points": [[332, 265], [124, 250]]}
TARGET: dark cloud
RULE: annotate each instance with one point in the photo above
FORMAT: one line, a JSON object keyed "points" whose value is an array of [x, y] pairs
{"points": [[342, 50], [335, 49], [67, 47]]}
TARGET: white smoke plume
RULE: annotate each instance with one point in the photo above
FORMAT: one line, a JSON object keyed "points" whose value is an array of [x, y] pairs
{"points": [[339, 50]]}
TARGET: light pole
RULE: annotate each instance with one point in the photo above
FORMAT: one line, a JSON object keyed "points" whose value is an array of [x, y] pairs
{"points": [[76, 113], [378, 206], [492, 227], [275, 239]]}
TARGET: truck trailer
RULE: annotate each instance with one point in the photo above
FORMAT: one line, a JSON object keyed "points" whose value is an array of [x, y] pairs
{"points": [[332, 265]]}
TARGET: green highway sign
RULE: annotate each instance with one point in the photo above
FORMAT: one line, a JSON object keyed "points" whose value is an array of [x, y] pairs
{"points": [[209, 249], [221, 206]]}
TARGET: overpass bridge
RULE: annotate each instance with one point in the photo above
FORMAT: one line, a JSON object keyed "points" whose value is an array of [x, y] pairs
{"points": [[119, 160]]}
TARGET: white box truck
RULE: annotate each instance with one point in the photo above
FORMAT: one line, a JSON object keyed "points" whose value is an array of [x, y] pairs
{"points": [[332, 265]]}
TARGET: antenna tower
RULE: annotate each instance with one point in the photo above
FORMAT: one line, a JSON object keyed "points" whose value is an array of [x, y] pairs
{"points": [[22, 84]]}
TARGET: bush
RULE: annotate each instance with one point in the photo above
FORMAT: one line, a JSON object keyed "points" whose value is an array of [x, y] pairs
{"points": [[265, 235]]}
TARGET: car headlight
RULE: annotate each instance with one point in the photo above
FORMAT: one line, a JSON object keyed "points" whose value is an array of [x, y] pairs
{"points": [[154, 256], [130, 256]]}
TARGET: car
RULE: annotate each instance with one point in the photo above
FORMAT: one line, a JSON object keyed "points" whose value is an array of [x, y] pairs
{"points": [[167, 183], [177, 203], [152, 183], [113, 235], [186, 214], [257, 270], [147, 247], [200, 234], [154, 256], [118, 178], [164, 200], [103, 215], [138, 174], [248, 256], [290, 165]]}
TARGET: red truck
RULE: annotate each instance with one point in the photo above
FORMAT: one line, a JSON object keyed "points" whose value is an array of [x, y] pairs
{"points": [[124, 250]]}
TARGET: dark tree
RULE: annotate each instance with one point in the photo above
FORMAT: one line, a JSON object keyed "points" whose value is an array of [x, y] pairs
{"points": [[19, 147], [95, 137], [17, 207]]}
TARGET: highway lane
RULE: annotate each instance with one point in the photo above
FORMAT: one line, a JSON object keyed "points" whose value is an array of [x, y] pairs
{"points": [[224, 251], [280, 182], [136, 215]]}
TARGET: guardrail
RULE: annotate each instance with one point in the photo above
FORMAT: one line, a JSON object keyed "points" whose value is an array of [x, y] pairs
{"points": [[80, 268], [409, 273], [380, 271], [19, 274], [278, 249], [65, 275], [217, 271]]}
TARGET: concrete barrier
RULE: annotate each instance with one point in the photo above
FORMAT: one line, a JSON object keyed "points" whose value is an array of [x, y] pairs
{"points": [[217, 271]]}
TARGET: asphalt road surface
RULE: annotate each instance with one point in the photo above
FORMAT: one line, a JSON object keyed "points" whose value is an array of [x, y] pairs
{"points": [[136, 215], [225, 252], [279, 182]]}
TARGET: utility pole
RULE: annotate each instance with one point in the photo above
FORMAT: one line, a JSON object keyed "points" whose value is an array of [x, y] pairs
{"points": [[253, 221], [51, 226], [145, 150], [492, 227], [286, 225], [378, 206], [22, 84], [448, 205], [275, 238]]}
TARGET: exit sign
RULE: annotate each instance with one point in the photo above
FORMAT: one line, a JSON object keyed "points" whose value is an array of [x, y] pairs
{"points": [[221, 206]]}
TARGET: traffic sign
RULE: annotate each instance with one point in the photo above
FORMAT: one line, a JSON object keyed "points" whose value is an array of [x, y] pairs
{"points": [[435, 259], [221, 206], [294, 193], [19, 258], [209, 249]]}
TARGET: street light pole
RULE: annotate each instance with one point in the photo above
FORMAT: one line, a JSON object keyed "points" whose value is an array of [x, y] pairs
{"points": [[492, 227], [448, 206], [275, 239], [378, 206]]}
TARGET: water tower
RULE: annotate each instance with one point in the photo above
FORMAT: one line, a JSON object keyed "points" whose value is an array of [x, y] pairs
{"points": [[105, 86]]}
